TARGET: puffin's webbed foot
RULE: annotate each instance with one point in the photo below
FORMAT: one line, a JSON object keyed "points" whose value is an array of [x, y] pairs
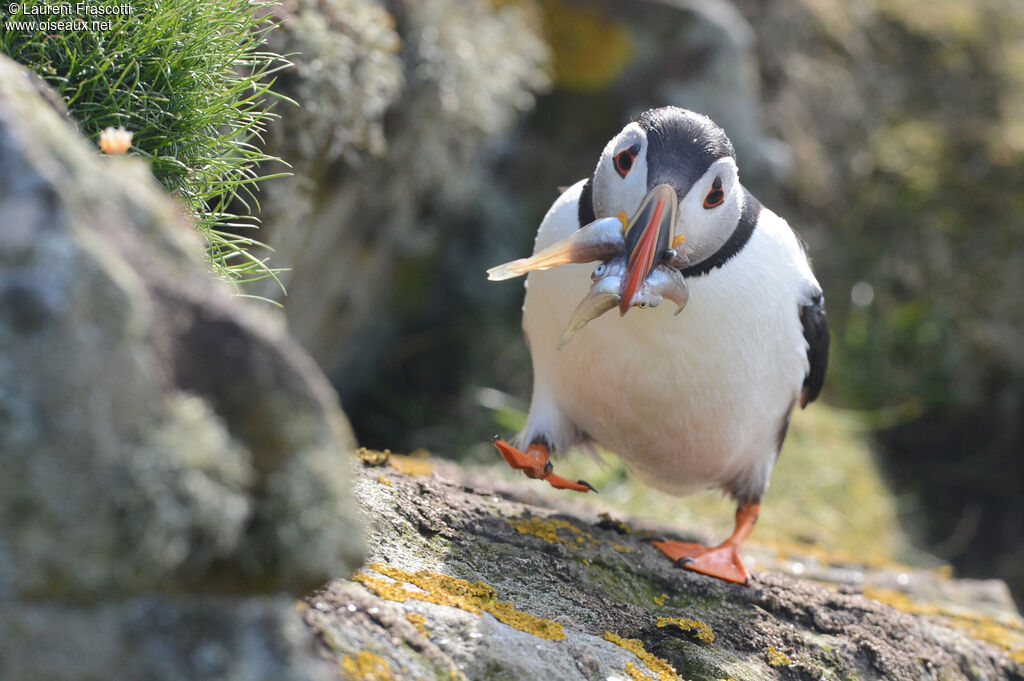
{"points": [[534, 462], [722, 561]]}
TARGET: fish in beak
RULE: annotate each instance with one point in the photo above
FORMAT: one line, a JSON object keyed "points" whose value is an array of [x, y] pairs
{"points": [[648, 236], [640, 267], [600, 240], [604, 294], [664, 282]]}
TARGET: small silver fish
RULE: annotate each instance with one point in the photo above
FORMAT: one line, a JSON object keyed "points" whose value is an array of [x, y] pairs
{"points": [[641, 260], [599, 240], [605, 293], [664, 282]]}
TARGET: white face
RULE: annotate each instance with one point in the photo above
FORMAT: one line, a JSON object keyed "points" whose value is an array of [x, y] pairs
{"points": [[614, 192], [706, 218], [707, 228]]}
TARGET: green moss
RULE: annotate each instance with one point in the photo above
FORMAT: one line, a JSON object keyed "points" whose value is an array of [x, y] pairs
{"points": [[619, 583], [700, 661]]}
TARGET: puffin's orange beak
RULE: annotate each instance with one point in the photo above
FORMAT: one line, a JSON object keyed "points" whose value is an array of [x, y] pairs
{"points": [[648, 235]]}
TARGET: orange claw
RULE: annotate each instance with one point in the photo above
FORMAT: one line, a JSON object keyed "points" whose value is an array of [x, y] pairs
{"points": [[535, 464], [722, 561]]}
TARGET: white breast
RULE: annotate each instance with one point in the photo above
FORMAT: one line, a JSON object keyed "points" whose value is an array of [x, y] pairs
{"points": [[687, 401]]}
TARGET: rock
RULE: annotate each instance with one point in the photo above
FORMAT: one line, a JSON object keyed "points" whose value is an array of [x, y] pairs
{"points": [[159, 638], [158, 438], [397, 108], [468, 579], [612, 61]]}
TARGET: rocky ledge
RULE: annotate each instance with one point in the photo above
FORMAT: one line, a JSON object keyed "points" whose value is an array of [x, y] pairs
{"points": [[474, 578]]}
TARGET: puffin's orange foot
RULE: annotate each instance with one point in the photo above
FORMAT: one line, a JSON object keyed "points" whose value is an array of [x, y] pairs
{"points": [[721, 561], [535, 464]]}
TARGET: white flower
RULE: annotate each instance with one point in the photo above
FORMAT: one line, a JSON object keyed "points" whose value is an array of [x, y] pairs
{"points": [[115, 140]]}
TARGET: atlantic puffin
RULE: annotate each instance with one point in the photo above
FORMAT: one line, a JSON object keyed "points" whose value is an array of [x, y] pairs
{"points": [[693, 394]]}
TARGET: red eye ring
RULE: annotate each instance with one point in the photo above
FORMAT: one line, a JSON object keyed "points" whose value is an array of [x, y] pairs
{"points": [[623, 160], [716, 196]]}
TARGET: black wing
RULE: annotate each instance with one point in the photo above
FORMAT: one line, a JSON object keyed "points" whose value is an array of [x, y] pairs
{"points": [[816, 333]]}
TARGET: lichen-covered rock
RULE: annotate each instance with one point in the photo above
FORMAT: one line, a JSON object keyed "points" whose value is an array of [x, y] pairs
{"points": [[159, 638], [156, 435], [471, 578], [398, 101], [345, 76]]}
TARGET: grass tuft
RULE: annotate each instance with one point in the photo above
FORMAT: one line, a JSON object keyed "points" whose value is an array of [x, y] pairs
{"points": [[191, 80]]}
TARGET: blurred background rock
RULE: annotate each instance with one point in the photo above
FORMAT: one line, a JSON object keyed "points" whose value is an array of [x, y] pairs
{"points": [[175, 468], [432, 136]]}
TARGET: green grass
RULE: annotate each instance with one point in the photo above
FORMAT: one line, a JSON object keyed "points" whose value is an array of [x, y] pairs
{"points": [[191, 80]]}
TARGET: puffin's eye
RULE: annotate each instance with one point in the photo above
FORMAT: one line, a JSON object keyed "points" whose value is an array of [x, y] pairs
{"points": [[624, 159], [716, 196]]}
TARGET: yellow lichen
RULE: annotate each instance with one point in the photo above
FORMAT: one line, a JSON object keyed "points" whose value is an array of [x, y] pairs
{"points": [[617, 525], [366, 666], [698, 629], [590, 48], [417, 463], [777, 658], [636, 674], [623, 549], [373, 457], [384, 481], [1006, 634], [660, 600], [547, 529], [418, 621], [475, 597], [662, 670]]}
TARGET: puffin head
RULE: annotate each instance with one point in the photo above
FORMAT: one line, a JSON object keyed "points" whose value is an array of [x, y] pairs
{"points": [[671, 176], [666, 188]]}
